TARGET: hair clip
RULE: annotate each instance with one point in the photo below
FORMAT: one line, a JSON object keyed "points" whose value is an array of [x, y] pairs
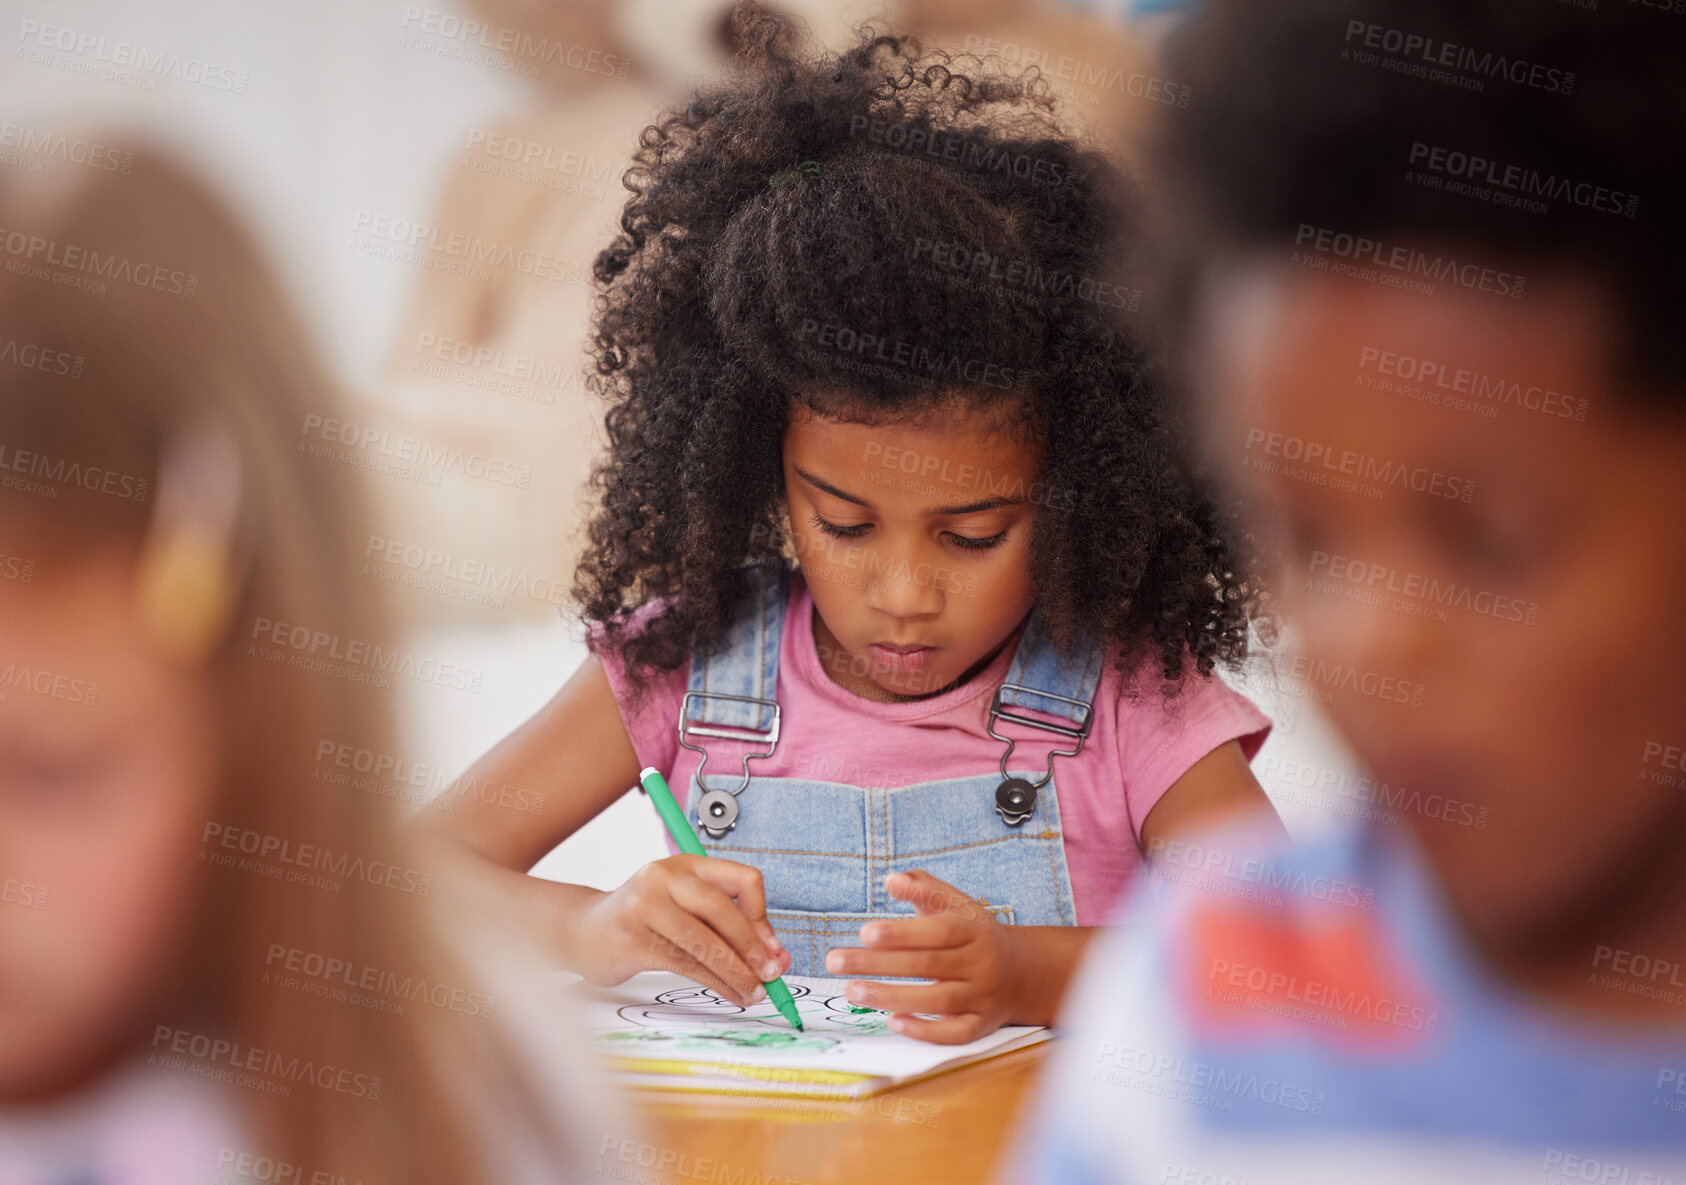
{"points": [[810, 167], [186, 581]]}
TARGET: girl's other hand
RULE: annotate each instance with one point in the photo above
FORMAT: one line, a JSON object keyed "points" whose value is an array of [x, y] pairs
{"points": [[679, 914], [955, 940]]}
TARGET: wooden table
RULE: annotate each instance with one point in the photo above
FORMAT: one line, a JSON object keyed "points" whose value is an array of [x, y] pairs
{"points": [[947, 1130]]}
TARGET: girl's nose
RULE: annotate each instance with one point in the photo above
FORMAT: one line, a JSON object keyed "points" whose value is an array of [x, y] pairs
{"points": [[901, 588]]}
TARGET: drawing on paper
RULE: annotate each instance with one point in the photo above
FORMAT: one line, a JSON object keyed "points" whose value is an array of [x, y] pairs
{"points": [[695, 1019]]}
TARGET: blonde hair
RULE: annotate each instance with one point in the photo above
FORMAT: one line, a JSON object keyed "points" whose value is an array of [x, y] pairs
{"points": [[174, 323]]}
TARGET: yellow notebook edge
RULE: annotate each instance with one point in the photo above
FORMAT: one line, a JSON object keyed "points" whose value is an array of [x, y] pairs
{"points": [[883, 1082]]}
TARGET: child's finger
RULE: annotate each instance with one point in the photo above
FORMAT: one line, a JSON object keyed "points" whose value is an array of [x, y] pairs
{"points": [[908, 964], [949, 1030], [927, 894], [949, 997], [682, 963], [926, 932], [698, 942], [744, 883], [703, 900]]}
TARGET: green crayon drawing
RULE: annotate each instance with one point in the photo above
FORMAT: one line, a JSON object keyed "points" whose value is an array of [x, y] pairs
{"points": [[697, 1020], [756, 1037]]}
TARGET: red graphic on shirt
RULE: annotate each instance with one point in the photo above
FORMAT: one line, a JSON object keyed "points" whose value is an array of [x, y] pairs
{"points": [[1263, 972]]}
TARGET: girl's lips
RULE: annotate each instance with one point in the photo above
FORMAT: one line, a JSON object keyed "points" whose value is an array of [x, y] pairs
{"points": [[903, 658]]}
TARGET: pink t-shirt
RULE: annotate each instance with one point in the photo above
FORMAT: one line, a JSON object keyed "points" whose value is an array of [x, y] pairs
{"points": [[1135, 751]]}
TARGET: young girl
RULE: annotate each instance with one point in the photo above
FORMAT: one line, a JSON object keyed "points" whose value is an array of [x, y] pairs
{"points": [[213, 957], [899, 573]]}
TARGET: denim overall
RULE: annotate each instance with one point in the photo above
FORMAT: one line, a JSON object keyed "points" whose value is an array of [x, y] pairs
{"points": [[823, 848]]}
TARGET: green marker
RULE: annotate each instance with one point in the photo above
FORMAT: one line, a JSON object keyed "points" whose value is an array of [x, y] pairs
{"points": [[679, 827]]}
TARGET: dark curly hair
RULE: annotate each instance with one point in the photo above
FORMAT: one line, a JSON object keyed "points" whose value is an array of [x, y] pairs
{"points": [[1319, 112], [949, 242]]}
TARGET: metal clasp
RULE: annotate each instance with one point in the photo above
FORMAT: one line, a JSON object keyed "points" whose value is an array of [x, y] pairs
{"points": [[1078, 732], [725, 732]]}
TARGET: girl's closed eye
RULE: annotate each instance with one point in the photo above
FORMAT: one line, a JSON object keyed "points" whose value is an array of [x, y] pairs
{"points": [[856, 530], [839, 530], [970, 543]]}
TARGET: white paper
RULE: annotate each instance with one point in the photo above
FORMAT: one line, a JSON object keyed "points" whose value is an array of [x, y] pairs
{"points": [[662, 1017]]}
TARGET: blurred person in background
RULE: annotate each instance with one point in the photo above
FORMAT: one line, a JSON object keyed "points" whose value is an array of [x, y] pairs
{"points": [[1430, 260], [218, 959]]}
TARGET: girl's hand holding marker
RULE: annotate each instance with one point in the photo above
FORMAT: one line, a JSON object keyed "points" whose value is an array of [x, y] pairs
{"points": [[653, 784], [679, 914]]}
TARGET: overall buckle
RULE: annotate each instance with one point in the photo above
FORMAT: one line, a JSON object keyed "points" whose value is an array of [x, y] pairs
{"points": [[1015, 798], [717, 810]]}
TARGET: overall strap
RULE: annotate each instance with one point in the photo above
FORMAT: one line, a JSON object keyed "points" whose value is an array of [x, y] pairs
{"points": [[732, 693], [1042, 681]]}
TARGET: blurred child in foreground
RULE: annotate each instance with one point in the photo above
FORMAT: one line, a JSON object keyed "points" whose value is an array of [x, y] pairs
{"points": [[1441, 241], [215, 961]]}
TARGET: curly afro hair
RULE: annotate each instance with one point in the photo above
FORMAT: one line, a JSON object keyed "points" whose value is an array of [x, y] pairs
{"points": [[873, 234]]}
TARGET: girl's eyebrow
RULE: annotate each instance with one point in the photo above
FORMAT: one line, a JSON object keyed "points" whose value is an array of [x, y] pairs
{"points": [[831, 489], [934, 512]]}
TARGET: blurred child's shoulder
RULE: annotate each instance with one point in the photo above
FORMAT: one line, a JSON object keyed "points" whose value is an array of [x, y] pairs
{"points": [[1311, 939], [1247, 932]]}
